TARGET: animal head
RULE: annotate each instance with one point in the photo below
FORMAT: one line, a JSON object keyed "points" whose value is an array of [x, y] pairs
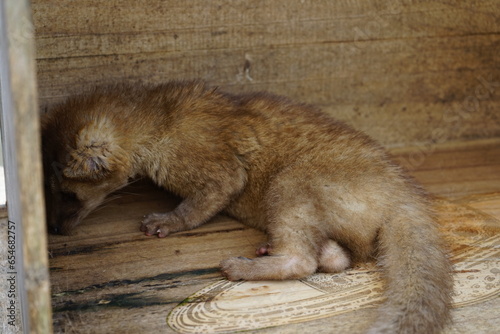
{"points": [[83, 163]]}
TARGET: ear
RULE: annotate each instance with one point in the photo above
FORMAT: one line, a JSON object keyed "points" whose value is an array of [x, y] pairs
{"points": [[93, 161]]}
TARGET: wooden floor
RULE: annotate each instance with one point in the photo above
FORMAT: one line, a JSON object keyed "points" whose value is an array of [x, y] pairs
{"points": [[110, 278]]}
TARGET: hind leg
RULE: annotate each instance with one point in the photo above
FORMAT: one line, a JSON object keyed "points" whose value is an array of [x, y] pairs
{"points": [[299, 206], [293, 255]]}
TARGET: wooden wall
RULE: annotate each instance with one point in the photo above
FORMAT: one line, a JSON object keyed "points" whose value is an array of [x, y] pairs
{"points": [[405, 71]]}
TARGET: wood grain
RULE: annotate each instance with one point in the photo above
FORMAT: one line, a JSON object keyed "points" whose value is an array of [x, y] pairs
{"points": [[409, 73], [396, 70], [452, 171], [21, 134], [109, 278]]}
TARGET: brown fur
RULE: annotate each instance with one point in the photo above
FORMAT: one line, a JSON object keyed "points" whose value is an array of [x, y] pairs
{"points": [[326, 195]]}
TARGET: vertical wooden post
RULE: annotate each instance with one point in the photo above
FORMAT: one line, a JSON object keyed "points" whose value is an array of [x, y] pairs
{"points": [[21, 131]]}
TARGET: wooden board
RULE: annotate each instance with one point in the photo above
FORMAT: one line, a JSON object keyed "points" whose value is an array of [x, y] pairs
{"points": [[28, 295], [418, 73], [454, 171], [404, 71], [225, 307], [109, 278]]}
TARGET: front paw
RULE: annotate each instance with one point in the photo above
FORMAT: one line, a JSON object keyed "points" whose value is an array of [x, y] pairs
{"points": [[156, 223], [234, 268]]}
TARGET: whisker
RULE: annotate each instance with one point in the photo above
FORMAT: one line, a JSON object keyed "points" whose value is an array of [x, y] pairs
{"points": [[128, 193], [99, 208], [111, 198]]}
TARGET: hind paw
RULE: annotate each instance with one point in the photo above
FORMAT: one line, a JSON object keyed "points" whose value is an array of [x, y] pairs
{"points": [[236, 268]]}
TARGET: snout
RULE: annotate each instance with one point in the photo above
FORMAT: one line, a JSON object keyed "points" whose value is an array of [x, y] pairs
{"points": [[62, 223], [62, 216]]}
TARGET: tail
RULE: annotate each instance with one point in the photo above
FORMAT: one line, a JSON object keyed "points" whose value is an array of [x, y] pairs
{"points": [[418, 274]]}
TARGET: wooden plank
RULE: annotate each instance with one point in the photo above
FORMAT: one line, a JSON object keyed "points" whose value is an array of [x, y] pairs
{"points": [[392, 107], [310, 62], [489, 204], [397, 71], [472, 236], [110, 267], [109, 278], [427, 157], [198, 25], [20, 127], [464, 170], [102, 244]]}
